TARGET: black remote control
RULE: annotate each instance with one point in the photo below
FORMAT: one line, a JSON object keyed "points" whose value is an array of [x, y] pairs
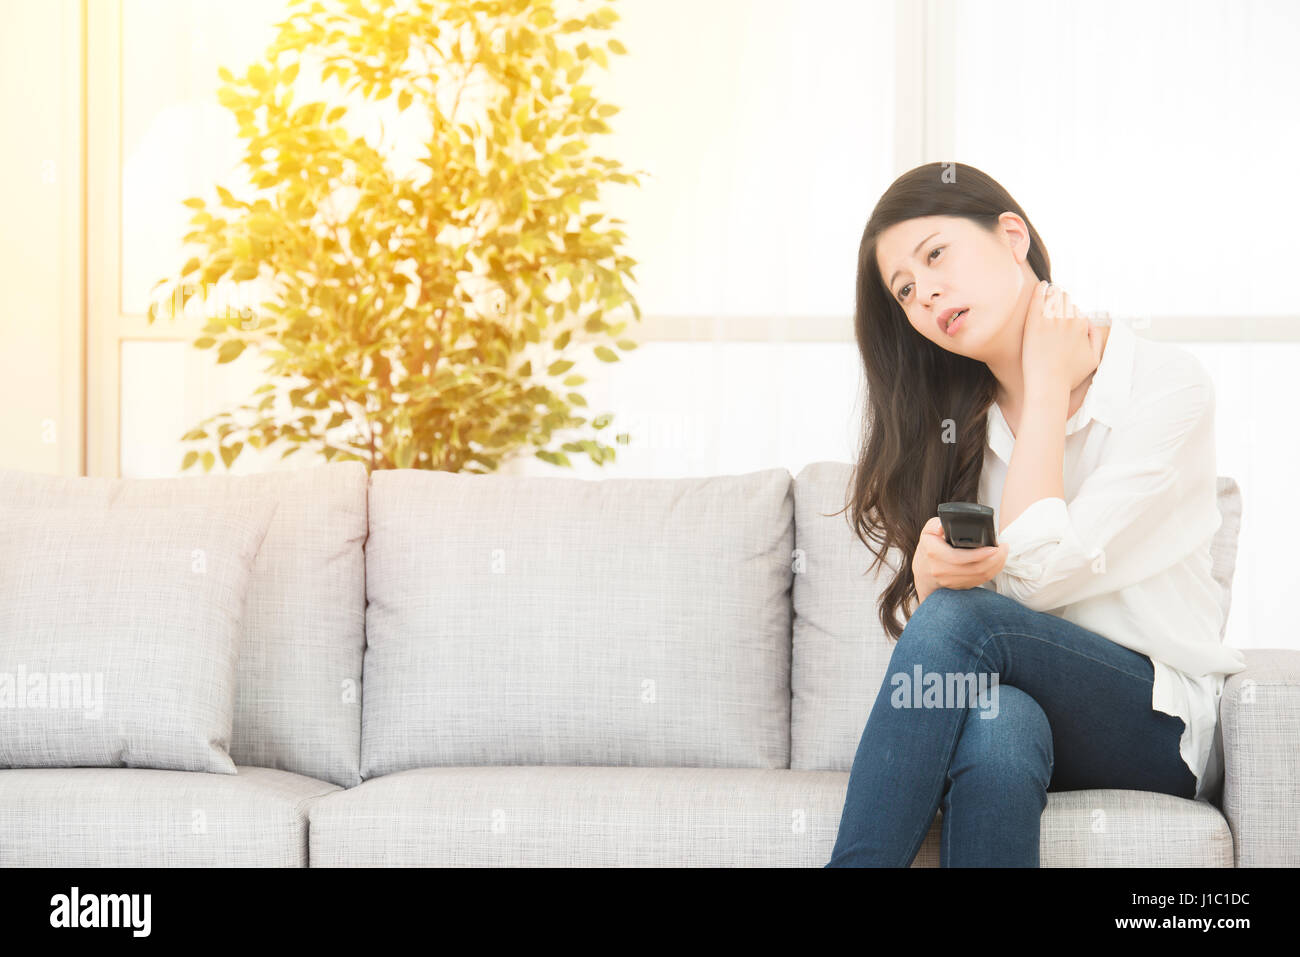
{"points": [[967, 524]]}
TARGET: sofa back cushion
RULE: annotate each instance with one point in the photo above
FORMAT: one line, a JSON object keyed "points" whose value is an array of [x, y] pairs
{"points": [[1223, 552], [540, 620], [297, 693], [840, 650]]}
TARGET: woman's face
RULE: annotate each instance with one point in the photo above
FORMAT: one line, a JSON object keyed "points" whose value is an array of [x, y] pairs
{"points": [[936, 263]]}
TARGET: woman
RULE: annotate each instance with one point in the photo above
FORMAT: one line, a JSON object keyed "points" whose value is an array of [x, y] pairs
{"points": [[1095, 619]]}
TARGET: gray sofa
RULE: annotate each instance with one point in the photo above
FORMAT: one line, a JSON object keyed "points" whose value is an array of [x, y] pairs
{"points": [[568, 672]]}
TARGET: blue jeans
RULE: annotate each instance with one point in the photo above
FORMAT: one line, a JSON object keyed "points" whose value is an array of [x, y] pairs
{"points": [[1062, 709]]}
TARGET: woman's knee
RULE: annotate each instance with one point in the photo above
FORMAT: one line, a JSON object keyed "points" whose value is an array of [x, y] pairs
{"points": [[947, 612], [962, 603]]}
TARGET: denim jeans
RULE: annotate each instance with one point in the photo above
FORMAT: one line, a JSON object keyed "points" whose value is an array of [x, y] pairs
{"points": [[1063, 709]]}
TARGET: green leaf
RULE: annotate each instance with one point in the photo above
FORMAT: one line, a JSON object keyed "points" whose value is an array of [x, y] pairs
{"points": [[204, 342], [190, 458], [230, 452], [605, 354], [209, 460], [555, 458], [231, 349]]}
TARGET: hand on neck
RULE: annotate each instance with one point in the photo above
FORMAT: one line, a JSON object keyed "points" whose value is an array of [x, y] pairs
{"points": [[1011, 398]]}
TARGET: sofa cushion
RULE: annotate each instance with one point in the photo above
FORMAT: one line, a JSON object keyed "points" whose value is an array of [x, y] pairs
{"points": [[297, 697], [1223, 550], [130, 817], [120, 630], [841, 652], [538, 620], [700, 817]]}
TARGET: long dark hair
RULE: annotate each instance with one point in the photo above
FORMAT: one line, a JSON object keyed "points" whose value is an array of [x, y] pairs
{"points": [[925, 421]]}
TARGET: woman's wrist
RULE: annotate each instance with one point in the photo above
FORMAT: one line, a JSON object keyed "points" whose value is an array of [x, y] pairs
{"points": [[1040, 389]]}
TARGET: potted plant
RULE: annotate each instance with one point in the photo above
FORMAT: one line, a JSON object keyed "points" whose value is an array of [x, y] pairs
{"points": [[428, 318]]}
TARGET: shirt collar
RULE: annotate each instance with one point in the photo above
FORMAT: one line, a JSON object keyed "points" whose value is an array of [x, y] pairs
{"points": [[1104, 401]]}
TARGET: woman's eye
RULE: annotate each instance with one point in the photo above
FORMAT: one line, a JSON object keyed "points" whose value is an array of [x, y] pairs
{"points": [[902, 293]]}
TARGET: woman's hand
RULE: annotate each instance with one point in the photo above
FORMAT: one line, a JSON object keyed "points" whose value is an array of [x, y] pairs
{"points": [[1060, 348], [936, 564]]}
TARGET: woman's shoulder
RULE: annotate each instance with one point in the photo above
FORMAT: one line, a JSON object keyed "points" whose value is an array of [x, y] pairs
{"points": [[1164, 367]]}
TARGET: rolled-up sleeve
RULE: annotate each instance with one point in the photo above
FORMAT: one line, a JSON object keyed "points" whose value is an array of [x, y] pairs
{"points": [[1149, 504]]}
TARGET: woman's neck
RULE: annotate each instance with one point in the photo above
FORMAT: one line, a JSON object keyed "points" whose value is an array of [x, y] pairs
{"points": [[1011, 386]]}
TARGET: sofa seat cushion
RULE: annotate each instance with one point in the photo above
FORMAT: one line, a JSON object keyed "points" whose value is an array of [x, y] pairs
{"points": [[1118, 828], [583, 816], [141, 817]]}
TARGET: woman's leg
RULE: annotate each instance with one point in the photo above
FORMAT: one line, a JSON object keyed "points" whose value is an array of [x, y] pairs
{"points": [[997, 785], [1095, 694]]}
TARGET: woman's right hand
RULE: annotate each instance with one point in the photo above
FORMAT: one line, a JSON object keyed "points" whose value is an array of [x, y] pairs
{"points": [[936, 564], [1060, 346]]}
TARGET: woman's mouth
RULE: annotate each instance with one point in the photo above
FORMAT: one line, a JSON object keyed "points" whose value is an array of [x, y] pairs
{"points": [[957, 321]]}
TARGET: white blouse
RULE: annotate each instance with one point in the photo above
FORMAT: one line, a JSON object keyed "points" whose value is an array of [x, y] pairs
{"points": [[1126, 553]]}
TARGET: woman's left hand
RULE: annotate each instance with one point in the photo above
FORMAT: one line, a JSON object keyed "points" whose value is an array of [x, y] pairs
{"points": [[1060, 346]]}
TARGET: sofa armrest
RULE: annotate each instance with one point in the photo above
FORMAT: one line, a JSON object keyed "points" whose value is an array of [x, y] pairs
{"points": [[1259, 715]]}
